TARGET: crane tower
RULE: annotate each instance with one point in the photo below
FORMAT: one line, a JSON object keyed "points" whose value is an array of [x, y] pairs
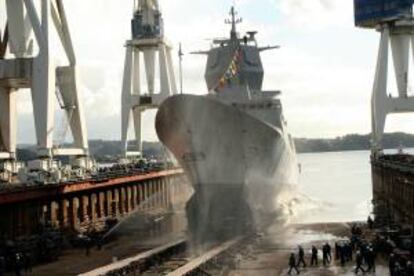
{"points": [[147, 43], [393, 19], [27, 61]]}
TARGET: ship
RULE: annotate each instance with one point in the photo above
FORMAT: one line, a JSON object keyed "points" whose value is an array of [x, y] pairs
{"points": [[232, 143]]}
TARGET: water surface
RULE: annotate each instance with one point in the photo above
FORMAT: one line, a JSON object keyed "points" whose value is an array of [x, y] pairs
{"points": [[334, 186]]}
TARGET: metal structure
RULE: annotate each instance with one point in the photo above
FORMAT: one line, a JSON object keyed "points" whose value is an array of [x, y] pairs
{"points": [[394, 20], [148, 42], [27, 61], [176, 259], [392, 179], [88, 203]]}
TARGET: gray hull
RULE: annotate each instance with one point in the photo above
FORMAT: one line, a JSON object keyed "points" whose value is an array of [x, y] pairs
{"points": [[233, 160]]}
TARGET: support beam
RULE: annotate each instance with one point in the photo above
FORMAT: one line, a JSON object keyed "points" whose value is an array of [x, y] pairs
{"points": [[63, 214], [73, 213], [115, 203], [54, 214], [92, 208], [140, 196], [83, 207], [109, 199], [62, 28], [4, 40], [8, 121], [101, 205], [400, 35], [134, 197], [128, 200], [123, 202], [400, 44]]}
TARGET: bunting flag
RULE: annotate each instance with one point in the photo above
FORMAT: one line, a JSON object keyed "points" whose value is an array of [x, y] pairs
{"points": [[232, 72]]}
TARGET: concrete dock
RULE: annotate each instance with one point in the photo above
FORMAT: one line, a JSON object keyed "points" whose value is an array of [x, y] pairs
{"points": [[267, 256], [141, 233], [270, 255]]}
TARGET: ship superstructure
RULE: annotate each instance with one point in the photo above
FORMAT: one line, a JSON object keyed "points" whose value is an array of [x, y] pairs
{"points": [[232, 143]]}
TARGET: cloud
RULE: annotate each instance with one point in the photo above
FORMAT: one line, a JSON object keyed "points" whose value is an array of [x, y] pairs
{"points": [[315, 14], [325, 66]]}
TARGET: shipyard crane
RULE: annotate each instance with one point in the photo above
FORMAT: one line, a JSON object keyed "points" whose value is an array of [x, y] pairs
{"points": [[147, 42], [394, 20], [28, 61]]}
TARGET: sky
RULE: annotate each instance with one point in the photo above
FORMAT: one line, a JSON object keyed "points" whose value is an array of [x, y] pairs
{"points": [[325, 66]]}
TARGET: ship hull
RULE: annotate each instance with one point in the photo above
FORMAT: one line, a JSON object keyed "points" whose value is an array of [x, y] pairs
{"points": [[234, 161]]}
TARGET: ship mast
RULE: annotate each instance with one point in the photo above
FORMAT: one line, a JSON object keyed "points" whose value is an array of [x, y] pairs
{"points": [[233, 21]]}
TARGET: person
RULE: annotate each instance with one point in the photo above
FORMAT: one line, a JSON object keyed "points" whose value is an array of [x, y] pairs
{"points": [[353, 229], [17, 264], [88, 245], [337, 250], [314, 258], [99, 243], [359, 263], [301, 256], [358, 231], [397, 271], [327, 257], [370, 223], [391, 264], [27, 262], [348, 251], [2, 265], [342, 254], [328, 248], [371, 260], [292, 264], [410, 268]]}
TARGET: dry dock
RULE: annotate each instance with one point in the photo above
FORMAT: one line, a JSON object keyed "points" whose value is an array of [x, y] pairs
{"points": [[266, 254]]}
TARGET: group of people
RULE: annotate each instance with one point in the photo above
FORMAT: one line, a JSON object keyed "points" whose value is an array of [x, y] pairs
{"points": [[16, 262], [344, 251], [398, 267], [356, 249], [360, 250], [294, 263]]}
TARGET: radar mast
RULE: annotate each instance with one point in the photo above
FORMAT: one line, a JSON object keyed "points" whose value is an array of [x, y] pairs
{"points": [[233, 21]]}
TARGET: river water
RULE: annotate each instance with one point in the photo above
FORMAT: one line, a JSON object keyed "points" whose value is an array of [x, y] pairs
{"points": [[334, 187]]}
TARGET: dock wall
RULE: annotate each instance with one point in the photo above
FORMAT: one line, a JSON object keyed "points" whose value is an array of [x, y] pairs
{"points": [[85, 206], [393, 189]]}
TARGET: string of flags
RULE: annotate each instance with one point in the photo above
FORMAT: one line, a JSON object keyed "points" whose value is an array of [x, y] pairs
{"points": [[232, 72]]}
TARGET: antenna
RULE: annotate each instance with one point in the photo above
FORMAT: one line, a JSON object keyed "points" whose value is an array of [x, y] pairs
{"points": [[233, 21], [180, 56]]}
